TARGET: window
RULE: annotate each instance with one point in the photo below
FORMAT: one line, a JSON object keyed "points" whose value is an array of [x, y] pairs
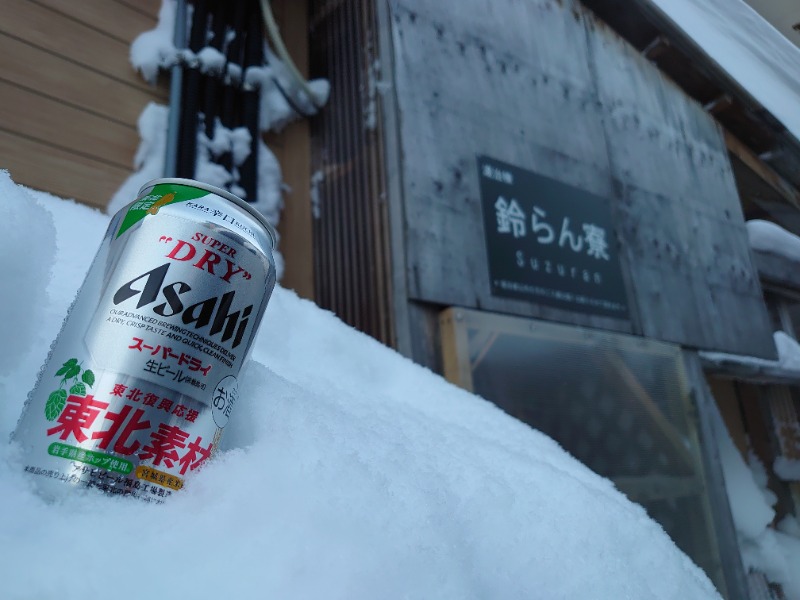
{"points": [[618, 403]]}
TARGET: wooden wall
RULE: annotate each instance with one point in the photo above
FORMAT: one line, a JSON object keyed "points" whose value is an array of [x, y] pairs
{"points": [[543, 85], [292, 148], [69, 98]]}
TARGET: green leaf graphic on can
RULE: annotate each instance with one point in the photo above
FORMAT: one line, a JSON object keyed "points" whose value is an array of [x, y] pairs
{"points": [[88, 377], [58, 399], [161, 195], [70, 364], [55, 404]]}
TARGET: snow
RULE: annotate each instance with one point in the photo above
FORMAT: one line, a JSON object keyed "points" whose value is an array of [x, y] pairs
{"points": [[316, 195], [347, 472], [275, 111], [774, 552], [788, 351], [150, 157], [749, 49], [774, 239], [211, 60], [787, 364], [787, 469], [155, 49]]}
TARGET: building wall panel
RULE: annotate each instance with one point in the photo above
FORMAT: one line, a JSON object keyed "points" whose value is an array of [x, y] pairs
{"points": [[544, 86]]}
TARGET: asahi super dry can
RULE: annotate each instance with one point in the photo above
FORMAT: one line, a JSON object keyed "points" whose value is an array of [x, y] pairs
{"points": [[142, 379]]}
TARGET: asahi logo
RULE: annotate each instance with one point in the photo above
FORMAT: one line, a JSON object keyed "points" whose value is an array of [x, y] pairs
{"points": [[217, 311]]}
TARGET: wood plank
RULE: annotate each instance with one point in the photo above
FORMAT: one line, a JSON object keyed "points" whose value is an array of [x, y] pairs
{"points": [[116, 20], [472, 91], [679, 218], [455, 348], [54, 76], [294, 154], [147, 7], [786, 190], [53, 32], [55, 123], [751, 398], [59, 172], [724, 392]]}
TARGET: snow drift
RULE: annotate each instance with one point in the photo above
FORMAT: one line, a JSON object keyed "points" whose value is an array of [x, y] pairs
{"points": [[348, 472]]}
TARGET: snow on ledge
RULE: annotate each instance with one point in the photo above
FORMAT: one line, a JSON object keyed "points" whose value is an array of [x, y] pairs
{"points": [[766, 236], [787, 365]]}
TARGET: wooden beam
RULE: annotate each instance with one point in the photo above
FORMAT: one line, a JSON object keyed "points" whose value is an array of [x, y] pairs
{"points": [[656, 48], [718, 104], [787, 191]]}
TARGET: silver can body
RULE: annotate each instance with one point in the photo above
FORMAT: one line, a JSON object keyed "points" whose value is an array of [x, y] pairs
{"points": [[142, 379]]}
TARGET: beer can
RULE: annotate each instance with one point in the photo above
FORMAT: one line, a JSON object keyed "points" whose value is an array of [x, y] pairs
{"points": [[141, 381]]}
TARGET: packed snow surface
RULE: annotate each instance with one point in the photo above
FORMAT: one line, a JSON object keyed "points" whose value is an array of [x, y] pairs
{"points": [[348, 472], [750, 50]]}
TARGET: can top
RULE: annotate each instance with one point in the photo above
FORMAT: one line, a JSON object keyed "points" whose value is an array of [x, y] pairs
{"points": [[245, 206]]}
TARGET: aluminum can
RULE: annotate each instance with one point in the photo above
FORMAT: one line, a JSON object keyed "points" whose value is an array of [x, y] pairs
{"points": [[141, 381]]}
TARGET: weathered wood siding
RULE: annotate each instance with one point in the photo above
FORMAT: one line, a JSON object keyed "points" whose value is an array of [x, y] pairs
{"points": [[69, 98], [542, 85]]}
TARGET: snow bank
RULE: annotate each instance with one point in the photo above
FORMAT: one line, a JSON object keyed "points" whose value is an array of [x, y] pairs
{"points": [[349, 472], [749, 49], [27, 224]]}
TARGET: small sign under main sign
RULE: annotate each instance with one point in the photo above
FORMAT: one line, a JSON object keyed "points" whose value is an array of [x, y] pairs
{"points": [[548, 242]]}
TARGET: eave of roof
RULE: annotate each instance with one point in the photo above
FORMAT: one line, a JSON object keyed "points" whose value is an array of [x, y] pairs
{"points": [[662, 31]]}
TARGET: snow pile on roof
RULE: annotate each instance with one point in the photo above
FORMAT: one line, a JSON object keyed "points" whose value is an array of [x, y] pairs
{"points": [[788, 361], [770, 237], [349, 472], [774, 552], [788, 351], [748, 48]]}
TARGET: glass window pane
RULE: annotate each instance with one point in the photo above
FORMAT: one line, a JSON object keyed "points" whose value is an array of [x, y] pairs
{"points": [[618, 403]]}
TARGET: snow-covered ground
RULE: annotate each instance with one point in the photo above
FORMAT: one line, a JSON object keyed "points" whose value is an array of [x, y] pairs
{"points": [[348, 472]]}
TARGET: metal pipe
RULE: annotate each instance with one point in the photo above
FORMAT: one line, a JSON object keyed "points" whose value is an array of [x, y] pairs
{"points": [[231, 93], [213, 80], [254, 56], [187, 137], [176, 83]]}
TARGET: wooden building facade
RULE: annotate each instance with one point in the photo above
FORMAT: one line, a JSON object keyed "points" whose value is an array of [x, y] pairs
{"points": [[69, 99], [466, 158], [542, 200]]}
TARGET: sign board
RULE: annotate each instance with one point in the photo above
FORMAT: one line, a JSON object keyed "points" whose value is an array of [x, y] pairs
{"points": [[549, 243]]}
